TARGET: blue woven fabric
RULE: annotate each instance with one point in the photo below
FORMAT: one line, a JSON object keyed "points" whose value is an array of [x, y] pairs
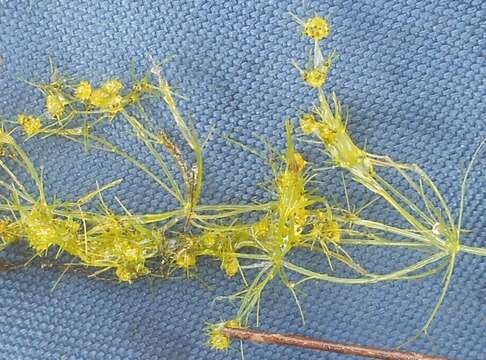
{"points": [[412, 74]]}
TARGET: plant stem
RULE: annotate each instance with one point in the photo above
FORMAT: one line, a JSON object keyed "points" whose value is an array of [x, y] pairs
{"points": [[473, 250]]}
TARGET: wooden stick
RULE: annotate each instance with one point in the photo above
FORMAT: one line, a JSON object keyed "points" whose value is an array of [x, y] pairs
{"points": [[264, 337]]}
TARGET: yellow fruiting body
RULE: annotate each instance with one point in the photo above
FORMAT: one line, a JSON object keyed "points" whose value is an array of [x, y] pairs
{"points": [[326, 134], [325, 228], [130, 271], [30, 124], [104, 100], [138, 89], [55, 105], [43, 230], [231, 264], [208, 239], [308, 123], [108, 97], [142, 86], [131, 259], [219, 341], [316, 77], [9, 231], [317, 28], [112, 87], [261, 228], [83, 91]]}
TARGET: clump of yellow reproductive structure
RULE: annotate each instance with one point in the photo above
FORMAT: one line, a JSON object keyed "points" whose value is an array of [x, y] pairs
{"points": [[30, 124]]}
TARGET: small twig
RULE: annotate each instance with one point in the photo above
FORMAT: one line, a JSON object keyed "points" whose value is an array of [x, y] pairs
{"points": [[13, 266], [8, 266], [264, 337]]}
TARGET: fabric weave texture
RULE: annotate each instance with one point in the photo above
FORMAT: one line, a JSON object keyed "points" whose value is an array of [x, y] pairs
{"points": [[410, 72]]}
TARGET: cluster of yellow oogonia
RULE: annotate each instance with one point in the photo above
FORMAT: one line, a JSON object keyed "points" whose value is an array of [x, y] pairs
{"points": [[130, 246]]}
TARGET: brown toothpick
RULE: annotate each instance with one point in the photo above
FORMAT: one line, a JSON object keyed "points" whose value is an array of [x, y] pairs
{"points": [[264, 337]]}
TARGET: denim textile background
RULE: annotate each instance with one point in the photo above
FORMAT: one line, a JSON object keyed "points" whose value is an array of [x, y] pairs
{"points": [[412, 74]]}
